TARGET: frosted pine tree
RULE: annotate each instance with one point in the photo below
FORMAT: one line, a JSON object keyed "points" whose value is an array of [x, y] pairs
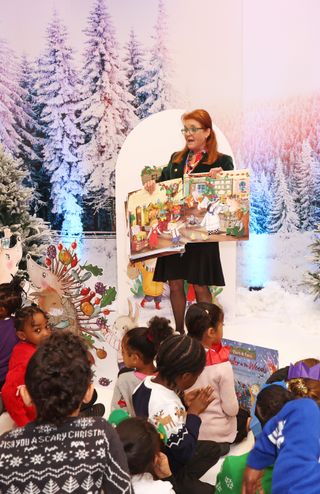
{"points": [[136, 73], [12, 106], [303, 186], [107, 113], [58, 95], [260, 202], [315, 192], [158, 87], [15, 200], [32, 134], [282, 216], [313, 277]]}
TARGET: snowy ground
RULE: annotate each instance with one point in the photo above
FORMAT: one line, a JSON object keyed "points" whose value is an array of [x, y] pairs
{"points": [[281, 257]]}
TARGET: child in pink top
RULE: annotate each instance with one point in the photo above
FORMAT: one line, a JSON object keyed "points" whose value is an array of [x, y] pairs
{"points": [[204, 322]]}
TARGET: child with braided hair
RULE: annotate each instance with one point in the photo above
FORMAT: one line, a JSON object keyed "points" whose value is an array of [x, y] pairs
{"points": [[180, 360], [139, 347]]}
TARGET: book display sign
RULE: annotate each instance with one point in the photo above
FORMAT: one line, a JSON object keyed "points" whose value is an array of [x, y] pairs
{"points": [[196, 209], [252, 365]]}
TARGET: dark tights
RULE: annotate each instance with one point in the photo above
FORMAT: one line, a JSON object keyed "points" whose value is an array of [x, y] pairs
{"points": [[178, 300]]}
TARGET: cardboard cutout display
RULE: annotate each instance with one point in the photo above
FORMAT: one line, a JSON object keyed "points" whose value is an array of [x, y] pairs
{"points": [[10, 257], [60, 288]]}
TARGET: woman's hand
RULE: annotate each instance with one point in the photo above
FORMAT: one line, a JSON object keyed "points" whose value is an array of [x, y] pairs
{"points": [[201, 401], [214, 172], [161, 466], [252, 481], [150, 186]]}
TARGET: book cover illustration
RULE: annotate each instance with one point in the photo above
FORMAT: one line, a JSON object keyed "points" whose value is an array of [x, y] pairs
{"points": [[196, 209], [252, 365]]}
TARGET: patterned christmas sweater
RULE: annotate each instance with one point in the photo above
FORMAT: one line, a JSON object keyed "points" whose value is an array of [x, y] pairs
{"points": [[84, 455], [162, 406]]}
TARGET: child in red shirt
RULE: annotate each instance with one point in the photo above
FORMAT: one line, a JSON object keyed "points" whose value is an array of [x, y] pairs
{"points": [[32, 328]]}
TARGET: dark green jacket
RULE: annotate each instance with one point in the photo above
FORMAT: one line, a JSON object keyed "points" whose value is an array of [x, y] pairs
{"points": [[175, 170]]}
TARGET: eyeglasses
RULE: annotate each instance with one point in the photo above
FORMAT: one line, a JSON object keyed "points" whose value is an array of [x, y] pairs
{"points": [[192, 130]]}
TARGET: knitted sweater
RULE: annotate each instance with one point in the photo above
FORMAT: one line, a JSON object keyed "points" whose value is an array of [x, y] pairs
{"points": [[82, 455], [290, 441], [218, 421], [123, 390], [163, 406], [229, 479], [12, 400]]}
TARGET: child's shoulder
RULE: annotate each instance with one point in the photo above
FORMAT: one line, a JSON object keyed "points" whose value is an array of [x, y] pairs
{"points": [[21, 353], [146, 481], [301, 406]]}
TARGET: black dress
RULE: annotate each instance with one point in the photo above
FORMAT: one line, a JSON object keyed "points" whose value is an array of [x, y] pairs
{"points": [[200, 263]]}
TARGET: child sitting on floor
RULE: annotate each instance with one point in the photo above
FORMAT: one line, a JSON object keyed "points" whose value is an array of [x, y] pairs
{"points": [[269, 402], [204, 322], [32, 328], [10, 302], [179, 360], [291, 439], [60, 451], [139, 347], [142, 445]]}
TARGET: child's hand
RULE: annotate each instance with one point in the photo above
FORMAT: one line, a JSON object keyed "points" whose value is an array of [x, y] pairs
{"points": [[251, 483], [190, 395], [161, 466], [201, 401]]}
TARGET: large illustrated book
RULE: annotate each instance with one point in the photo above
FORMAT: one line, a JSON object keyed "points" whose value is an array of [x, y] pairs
{"points": [[252, 365], [196, 209]]}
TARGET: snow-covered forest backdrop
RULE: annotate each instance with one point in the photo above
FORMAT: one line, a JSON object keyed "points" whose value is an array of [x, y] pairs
{"points": [[77, 75]]}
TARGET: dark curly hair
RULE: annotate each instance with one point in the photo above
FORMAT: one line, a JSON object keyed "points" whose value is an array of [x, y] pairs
{"points": [[11, 295], [141, 442], [58, 376], [22, 315], [202, 316], [270, 400], [180, 354], [146, 340]]}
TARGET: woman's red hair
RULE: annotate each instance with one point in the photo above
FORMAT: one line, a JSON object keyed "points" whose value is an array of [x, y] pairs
{"points": [[204, 119]]}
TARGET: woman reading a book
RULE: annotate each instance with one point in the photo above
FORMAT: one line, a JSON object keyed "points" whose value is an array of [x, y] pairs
{"points": [[200, 263]]}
